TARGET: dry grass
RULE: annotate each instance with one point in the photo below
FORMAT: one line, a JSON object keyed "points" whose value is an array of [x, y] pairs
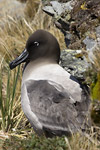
{"points": [[14, 33], [76, 142], [23, 1], [83, 142], [31, 8], [96, 58]]}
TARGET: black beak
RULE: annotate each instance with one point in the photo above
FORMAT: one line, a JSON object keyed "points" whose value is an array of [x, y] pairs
{"points": [[20, 59]]}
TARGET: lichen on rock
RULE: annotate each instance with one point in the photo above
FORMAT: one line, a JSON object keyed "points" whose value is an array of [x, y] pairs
{"points": [[75, 63], [77, 19], [80, 24]]}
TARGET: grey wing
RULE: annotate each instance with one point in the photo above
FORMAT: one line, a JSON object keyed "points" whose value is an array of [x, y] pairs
{"points": [[53, 108]]}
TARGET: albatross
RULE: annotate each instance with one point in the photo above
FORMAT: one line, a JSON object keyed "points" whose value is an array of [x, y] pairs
{"points": [[53, 100]]}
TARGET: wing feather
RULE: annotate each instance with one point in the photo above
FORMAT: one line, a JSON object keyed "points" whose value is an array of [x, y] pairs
{"points": [[54, 108]]}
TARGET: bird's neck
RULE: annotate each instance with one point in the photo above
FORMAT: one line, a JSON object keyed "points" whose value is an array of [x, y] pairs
{"points": [[38, 68], [43, 61], [38, 63]]}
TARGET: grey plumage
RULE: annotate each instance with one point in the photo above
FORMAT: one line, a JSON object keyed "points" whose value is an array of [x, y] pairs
{"points": [[54, 102], [54, 109]]}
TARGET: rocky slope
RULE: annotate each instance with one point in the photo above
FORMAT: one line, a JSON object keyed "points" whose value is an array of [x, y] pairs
{"points": [[79, 20]]}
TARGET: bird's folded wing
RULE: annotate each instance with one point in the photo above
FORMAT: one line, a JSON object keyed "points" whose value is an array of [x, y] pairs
{"points": [[52, 106]]}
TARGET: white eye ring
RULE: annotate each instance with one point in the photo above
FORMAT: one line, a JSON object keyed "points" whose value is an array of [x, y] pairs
{"points": [[36, 43]]}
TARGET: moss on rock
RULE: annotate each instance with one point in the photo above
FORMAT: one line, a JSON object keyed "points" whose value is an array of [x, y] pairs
{"points": [[95, 88]]}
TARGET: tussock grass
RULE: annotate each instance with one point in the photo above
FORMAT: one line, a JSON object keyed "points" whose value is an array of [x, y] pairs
{"points": [[96, 59], [7, 97], [76, 142], [14, 33], [31, 8], [82, 142], [22, 1]]}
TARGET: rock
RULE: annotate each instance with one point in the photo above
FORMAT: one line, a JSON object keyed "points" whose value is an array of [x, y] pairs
{"points": [[75, 63], [98, 31], [49, 10], [57, 8], [60, 8], [12, 8], [92, 45], [80, 23], [75, 19]]}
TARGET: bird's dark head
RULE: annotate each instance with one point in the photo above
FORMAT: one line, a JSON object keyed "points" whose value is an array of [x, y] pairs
{"points": [[41, 44]]}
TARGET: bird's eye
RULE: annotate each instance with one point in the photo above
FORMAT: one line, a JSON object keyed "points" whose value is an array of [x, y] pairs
{"points": [[36, 43]]}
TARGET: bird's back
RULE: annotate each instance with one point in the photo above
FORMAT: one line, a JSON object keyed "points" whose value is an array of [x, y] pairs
{"points": [[54, 72], [52, 94]]}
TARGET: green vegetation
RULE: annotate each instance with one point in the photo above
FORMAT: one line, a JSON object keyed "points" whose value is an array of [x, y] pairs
{"points": [[12, 121], [36, 143], [96, 88], [33, 142], [7, 100], [14, 33]]}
